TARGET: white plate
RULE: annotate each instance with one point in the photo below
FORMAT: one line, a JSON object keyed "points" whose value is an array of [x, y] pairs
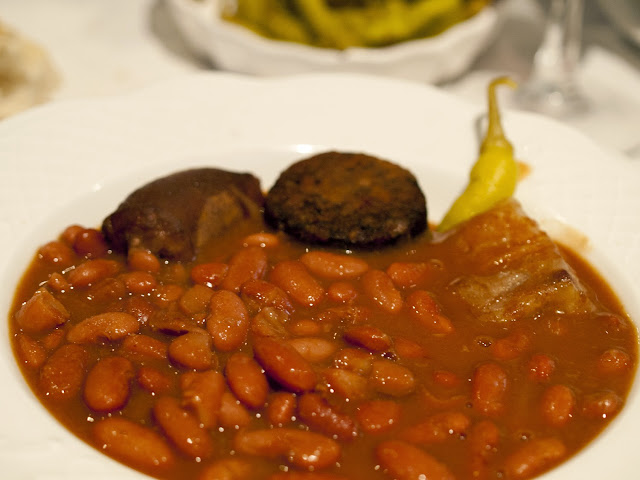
{"points": [[237, 49], [625, 14], [73, 162]]}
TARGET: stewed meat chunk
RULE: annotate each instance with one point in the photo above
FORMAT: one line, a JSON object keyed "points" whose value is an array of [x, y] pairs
{"points": [[176, 215], [511, 269]]}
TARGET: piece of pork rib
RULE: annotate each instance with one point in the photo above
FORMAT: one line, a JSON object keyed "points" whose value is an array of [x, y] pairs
{"points": [[511, 269], [176, 215]]}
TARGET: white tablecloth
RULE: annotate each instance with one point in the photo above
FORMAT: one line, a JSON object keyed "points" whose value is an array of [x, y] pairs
{"points": [[104, 47]]}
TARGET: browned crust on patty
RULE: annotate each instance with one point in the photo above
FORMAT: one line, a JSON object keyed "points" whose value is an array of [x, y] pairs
{"points": [[347, 199]]}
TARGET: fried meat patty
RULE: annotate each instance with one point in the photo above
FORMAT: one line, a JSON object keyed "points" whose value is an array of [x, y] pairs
{"points": [[347, 199]]}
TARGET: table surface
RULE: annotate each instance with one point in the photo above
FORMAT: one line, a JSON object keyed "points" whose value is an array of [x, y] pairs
{"points": [[112, 47]]}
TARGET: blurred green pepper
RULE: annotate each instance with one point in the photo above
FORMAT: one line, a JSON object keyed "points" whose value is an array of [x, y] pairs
{"points": [[270, 18], [494, 176], [397, 20], [366, 23]]}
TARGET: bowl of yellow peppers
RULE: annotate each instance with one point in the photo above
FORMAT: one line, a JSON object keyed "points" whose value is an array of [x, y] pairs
{"points": [[424, 40]]}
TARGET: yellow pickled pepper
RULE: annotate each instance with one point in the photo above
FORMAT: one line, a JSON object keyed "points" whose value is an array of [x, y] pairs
{"points": [[494, 176]]}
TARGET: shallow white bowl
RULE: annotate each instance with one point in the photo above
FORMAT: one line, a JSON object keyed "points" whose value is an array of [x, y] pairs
{"points": [[74, 162], [238, 49]]}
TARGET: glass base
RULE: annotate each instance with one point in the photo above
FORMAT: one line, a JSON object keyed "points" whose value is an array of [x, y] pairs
{"points": [[552, 99]]}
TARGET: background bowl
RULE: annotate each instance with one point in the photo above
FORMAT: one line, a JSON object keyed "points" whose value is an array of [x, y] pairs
{"points": [[238, 49]]}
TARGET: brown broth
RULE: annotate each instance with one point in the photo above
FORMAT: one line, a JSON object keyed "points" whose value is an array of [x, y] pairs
{"points": [[575, 352]]}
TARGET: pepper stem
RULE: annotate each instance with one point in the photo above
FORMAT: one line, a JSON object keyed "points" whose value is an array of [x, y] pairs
{"points": [[495, 134]]}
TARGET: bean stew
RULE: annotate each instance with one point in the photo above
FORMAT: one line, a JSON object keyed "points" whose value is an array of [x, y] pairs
{"points": [[476, 354]]}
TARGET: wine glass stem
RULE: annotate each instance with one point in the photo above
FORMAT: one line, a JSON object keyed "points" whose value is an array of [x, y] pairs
{"points": [[557, 58]]}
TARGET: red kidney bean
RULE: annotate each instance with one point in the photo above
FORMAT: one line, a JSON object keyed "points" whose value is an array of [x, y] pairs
{"points": [[142, 260], [319, 415], [69, 234], [104, 326], [90, 243], [153, 380], [354, 359], [247, 380], [313, 349], [107, 386], [248, 263], [602, 404], [107, 290], [195, 299], [446, 379], [233, 415], [183, 429], [144, 346], [193, 350], [140, 308], [284, 364], [139, 283], [391, 379], [228, 322], [411, 274], [41, 312], [403, 461], [202, 393], [610, 322], [369, 337], [228, 469], [92, 271], [426, 312], [305, 328], [53, 340], [483, 443], [30, 352], [167, 294], [536, 456], [300, 448], [293, 277], [342, 292], [262, 239], [173, 273], [133, 444], [408, 349], [511, 346], [557, 405], [57, 283], [488, 388], [57, 253], [613, 362], [348, 384], [333, 266], [260, 294], [437, 428], [378, 416], [209, 274], [62, 374], [378, 286], [540, 367], [281, 408]]}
